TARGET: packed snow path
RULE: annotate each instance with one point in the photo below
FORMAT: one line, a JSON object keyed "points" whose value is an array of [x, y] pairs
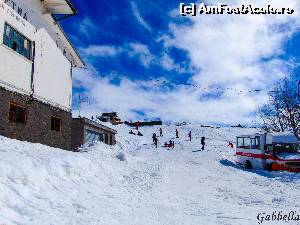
{"points": [[136, 184]]}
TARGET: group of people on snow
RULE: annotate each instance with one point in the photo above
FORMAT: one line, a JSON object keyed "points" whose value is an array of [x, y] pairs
{"points": [[171, 144], [137, 124], [138, 133]]}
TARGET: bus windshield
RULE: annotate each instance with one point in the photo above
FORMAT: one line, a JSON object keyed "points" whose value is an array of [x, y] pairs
{"points": [[288, 148]]}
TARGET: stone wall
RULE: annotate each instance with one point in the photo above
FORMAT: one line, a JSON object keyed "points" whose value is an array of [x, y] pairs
{"points": [[77, 134], [37, 128]]}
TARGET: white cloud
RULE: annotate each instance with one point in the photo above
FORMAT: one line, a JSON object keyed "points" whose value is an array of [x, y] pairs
{"points": [[133, 50], [182, 105], [101, 51], [87, 27], [240, 52], [142, 52], [138, 16], [168, 63]]}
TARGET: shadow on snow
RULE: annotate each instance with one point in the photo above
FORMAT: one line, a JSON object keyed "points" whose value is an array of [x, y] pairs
{"points": [[282, 176]]}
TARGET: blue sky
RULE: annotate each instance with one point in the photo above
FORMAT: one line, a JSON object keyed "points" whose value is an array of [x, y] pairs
{"points": [[146, 61], [117, 23]]}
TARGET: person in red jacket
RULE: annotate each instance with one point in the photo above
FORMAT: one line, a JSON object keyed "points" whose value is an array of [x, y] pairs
{"points": [[230, 144]]}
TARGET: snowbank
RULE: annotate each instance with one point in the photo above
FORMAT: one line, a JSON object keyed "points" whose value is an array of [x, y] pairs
{"points": [[135, 183]]}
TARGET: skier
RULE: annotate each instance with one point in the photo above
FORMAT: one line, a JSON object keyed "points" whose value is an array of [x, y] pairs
{"points": [[155, 140], [177, 133], [137, 125], [190, 135], [160, 132], [153, 136], [203, 142]]}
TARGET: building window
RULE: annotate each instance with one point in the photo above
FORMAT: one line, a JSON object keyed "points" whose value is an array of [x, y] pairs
{"points": [[17, 114], [92, 136], [17, 42], [55, 124]]}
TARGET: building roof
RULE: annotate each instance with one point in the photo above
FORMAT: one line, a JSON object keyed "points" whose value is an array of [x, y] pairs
{"points": [[94, 124], [63, 7]]}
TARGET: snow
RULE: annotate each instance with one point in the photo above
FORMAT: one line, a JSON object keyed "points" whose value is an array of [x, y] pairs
{"points": [[283, 137], [134, 183], [289, 156]]}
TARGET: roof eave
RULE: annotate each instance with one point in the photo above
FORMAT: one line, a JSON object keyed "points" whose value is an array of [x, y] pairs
{"points": [[73, 8], [71, 5]]}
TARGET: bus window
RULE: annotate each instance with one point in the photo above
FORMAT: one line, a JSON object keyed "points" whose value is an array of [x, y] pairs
{"points": [[255, 143], [240, 142], [257, 140], [247, 143]]}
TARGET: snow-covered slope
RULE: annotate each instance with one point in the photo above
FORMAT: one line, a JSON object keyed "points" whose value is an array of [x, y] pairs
{"points": [[133, 183]]}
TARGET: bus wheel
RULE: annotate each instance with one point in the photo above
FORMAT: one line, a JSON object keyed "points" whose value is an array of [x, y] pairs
{"points": [[249, 165], [269, 166]]}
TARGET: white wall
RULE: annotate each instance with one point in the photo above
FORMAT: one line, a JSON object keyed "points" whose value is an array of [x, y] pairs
{"points": [[53, 71], [52, 77]]}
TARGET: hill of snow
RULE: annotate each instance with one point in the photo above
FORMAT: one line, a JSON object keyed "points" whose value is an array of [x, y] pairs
{"points": [[133, 183]]}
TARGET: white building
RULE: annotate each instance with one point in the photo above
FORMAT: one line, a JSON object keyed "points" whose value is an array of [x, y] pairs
{"points": [[36, 61]]}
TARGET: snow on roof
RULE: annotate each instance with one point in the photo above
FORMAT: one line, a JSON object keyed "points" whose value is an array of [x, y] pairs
{"points": [[279, 137], [282, 137], [251, 136], [95, 124]]}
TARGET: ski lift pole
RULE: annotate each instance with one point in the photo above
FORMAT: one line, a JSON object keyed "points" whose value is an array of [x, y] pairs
{"points": [[82, 100], [79, 106]]}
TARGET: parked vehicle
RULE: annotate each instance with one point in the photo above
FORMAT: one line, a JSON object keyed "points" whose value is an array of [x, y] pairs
{"points": [[110, 117], [270, 151]]}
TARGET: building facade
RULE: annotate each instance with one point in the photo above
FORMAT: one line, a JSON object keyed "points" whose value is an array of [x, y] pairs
{"points": [[37, 59], [86, 131]]}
